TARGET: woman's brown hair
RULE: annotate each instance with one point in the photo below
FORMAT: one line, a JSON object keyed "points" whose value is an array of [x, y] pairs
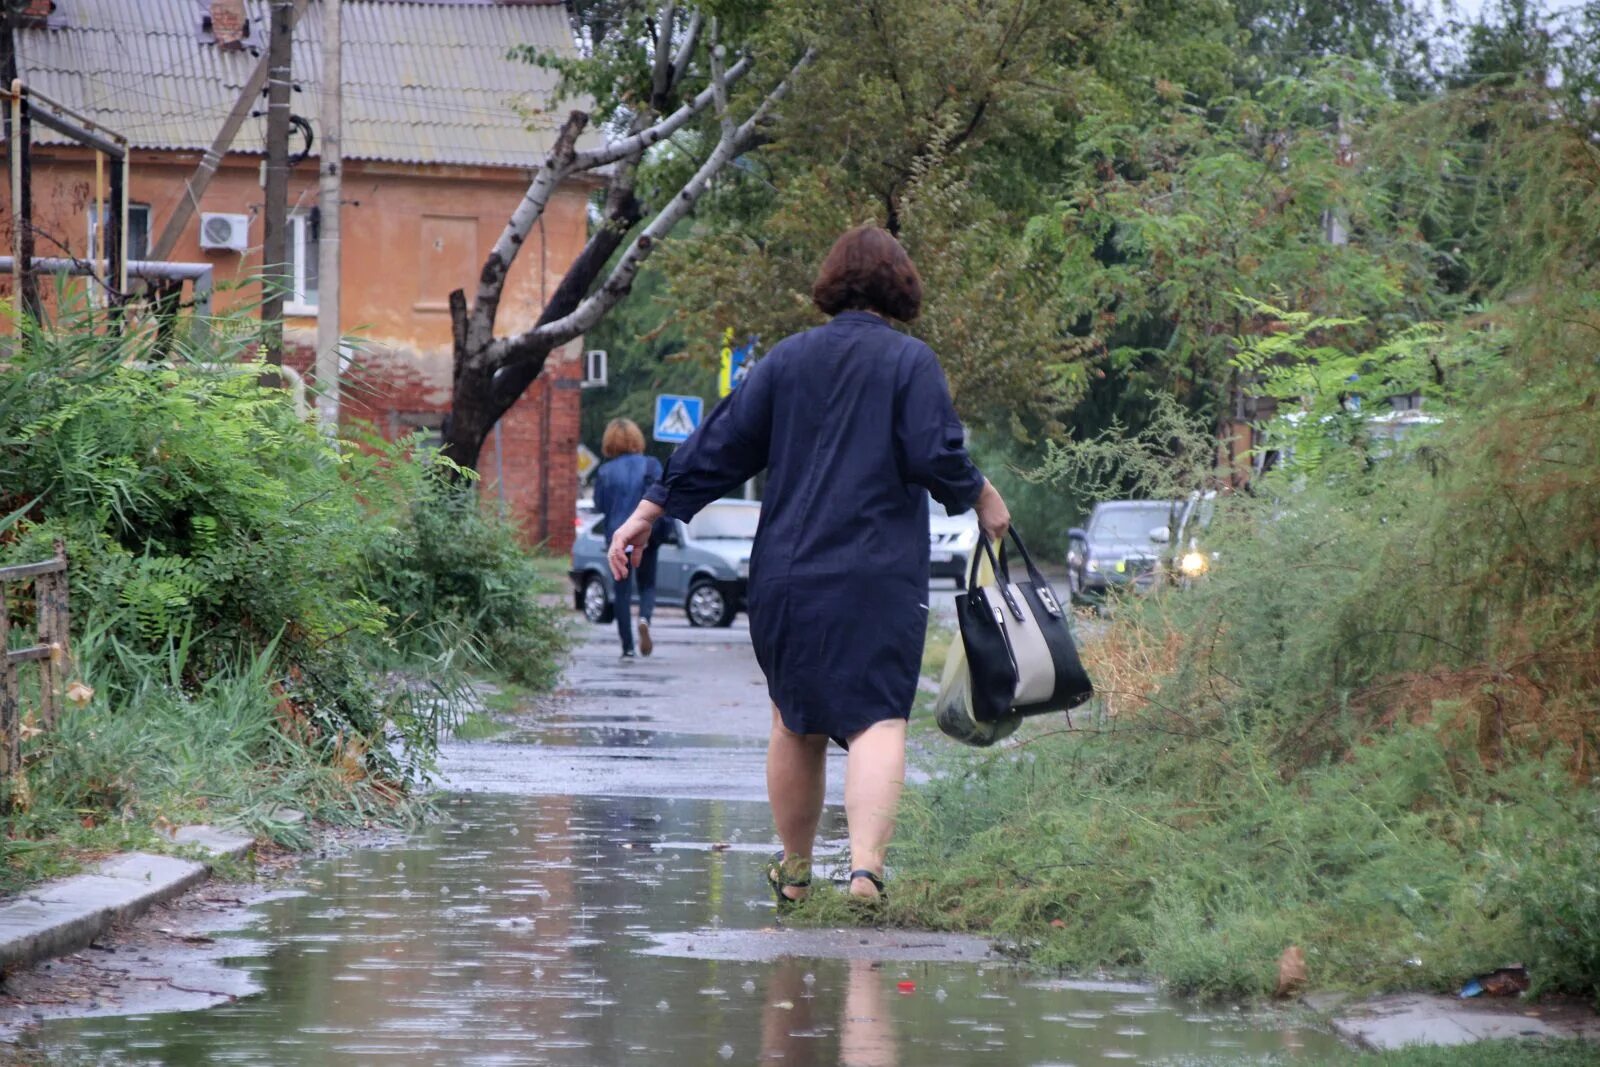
{"points": [[867, 270], [622, 437]]}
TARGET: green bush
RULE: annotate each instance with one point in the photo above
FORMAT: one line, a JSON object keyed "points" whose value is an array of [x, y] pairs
{"points": [[313, 609]]}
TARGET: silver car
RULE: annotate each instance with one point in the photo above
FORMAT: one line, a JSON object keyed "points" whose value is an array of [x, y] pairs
{"points": [[704, 565]]}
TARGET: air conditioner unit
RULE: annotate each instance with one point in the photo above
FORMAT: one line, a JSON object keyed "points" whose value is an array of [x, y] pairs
{"points": [[224, 232], [594, 369]]}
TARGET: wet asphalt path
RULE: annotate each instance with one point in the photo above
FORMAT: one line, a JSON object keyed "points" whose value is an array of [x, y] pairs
{"points": [[689, 722], [596, 897]]}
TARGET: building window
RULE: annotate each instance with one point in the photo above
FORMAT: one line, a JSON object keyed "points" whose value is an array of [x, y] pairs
{"points": [[137, 238], [301, 299]]}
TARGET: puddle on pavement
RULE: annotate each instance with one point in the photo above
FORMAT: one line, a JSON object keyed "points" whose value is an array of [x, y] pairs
{"points": [[586, 734], [513, 935]]}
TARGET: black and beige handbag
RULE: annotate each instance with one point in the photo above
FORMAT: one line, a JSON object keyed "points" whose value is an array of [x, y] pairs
{"points": [[1018, 642]]}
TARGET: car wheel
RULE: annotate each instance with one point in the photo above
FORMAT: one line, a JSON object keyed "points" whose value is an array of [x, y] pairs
{"points": [[707, 606], [597, 606]]}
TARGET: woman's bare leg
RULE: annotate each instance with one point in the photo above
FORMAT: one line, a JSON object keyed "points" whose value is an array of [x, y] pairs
{"points": [[796, 778], [874, 775]]}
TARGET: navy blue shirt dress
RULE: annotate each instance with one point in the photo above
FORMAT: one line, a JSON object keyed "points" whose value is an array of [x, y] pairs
{"points": [[854, 425]]}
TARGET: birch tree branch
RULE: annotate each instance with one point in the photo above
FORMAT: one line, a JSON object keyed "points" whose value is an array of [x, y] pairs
{"points": [[562, 162], [637, 143], [492, 279], [558, 332], [691, 35], [719, 83], [660, 84]]}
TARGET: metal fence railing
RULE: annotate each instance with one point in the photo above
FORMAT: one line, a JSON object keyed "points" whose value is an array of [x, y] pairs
{"points": [[50, 651]]}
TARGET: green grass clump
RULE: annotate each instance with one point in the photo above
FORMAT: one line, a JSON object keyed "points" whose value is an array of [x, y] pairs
{"points": [[476, 726], [1574, 1053]]}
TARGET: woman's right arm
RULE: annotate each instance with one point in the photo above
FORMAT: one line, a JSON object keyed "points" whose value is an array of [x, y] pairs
{"points": [[933, 450]]}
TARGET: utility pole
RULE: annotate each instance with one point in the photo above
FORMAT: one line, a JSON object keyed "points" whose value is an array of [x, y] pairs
{"points": [[332, 171], [274, 257]]}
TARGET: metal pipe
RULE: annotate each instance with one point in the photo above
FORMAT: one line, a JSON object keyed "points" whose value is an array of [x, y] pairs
{"points": [[201, 274], [88, 123], [83, 137], [126, 246], [16, 190], [115, 231]]}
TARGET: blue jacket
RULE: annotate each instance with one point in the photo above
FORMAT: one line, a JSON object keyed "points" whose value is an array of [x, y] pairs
{"points": [[619, 485]]}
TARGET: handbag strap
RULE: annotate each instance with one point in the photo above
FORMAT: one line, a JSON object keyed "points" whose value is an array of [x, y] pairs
{"points": [[1047, 593], [1001, 576]]}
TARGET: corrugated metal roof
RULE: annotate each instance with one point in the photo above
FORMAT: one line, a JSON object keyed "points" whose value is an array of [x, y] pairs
{"points": [[424, 82]]}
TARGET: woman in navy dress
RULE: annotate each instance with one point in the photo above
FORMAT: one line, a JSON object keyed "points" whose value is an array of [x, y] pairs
{"points": [[854, 425], [619, 485]]}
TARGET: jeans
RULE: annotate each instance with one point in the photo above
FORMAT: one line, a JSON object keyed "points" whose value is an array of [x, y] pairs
{"points": [[622, 596]]}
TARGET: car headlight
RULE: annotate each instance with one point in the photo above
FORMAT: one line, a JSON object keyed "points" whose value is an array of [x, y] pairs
{"points": [[1194, 564]]}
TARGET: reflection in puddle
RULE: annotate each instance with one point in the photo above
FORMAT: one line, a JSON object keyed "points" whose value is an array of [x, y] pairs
{"points": [[513, 936]]}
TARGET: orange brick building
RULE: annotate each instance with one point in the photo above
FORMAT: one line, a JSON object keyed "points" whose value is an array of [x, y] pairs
{"points": [[441, 132]]}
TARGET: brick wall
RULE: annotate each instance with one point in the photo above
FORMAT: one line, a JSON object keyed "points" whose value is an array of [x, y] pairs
{"points": [[530, 465]]}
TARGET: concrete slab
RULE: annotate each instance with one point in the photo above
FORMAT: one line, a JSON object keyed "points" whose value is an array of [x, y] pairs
{"points": [[61, 916], [1420, 1019], [220, 843], [761, 946]]}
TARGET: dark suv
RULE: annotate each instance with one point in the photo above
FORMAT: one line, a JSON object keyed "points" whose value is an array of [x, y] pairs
{"points": [[1118, 549], [1128, 544]]}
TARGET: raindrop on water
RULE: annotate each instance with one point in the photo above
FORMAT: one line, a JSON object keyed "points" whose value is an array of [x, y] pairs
{"points": [[749, 986], [940, 995], [662, 1005], [726, 1052], [482, 889], [809, 979]]}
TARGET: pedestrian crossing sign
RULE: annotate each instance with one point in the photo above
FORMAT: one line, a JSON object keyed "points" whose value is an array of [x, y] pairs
{"points": [[676, 417]]}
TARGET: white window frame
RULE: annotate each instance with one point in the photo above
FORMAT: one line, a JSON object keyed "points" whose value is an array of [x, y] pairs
{"points": [[92, 252], [295, 301]]}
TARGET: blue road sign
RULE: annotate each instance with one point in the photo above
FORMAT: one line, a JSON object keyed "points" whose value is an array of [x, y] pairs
{"points": [[676, 417]]}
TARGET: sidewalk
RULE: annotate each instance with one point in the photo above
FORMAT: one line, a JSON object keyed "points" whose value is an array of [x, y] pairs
{"points": [[65, 915]]}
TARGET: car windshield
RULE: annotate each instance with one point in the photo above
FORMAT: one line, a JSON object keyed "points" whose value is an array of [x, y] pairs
{"points": [[1129, 522], [723, 522]]}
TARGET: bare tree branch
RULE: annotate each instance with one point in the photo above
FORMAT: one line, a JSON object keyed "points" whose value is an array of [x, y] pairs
{"points": [[719, 84], [637, 143], [587, 314], [492, 279], [660, 78], [562, 162], [691, 35]]}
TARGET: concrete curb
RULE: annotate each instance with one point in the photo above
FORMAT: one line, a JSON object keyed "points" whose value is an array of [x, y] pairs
{"points": [[63, 916]]}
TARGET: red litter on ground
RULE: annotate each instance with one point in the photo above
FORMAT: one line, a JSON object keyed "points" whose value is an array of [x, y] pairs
{"points": [[907, 987]]}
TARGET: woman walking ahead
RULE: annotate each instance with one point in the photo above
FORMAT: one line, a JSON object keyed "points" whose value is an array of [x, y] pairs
{"points": [[854, 425], [619, 485]]}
